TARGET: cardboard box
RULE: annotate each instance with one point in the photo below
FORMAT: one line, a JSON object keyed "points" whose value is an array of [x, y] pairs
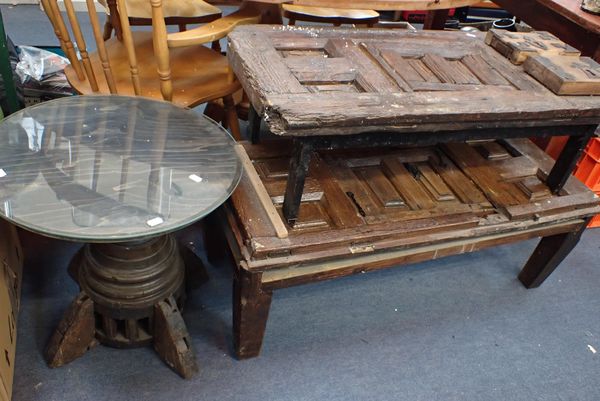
{"points": [[11, 263]]}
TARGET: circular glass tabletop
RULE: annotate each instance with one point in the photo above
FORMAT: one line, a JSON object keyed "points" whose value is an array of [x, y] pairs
{"points": [[112, 168]]}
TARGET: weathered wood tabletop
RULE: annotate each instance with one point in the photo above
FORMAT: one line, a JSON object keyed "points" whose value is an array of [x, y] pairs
{"points": [[330, 87], [314, 81]]}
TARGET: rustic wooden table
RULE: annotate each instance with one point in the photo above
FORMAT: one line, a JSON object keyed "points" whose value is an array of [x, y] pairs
{"points": [[564, 18], [331, 90]]}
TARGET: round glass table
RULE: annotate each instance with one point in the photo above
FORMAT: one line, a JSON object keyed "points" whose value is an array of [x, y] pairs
{"points": [[120, 174]]}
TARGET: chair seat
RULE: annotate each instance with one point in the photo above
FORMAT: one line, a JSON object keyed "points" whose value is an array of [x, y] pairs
{"points": [[171, 8], [199, 74], [323, 12]]}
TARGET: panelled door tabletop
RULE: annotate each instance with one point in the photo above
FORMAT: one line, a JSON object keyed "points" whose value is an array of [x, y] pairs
{"points": [[332, 81], [331, 87]]}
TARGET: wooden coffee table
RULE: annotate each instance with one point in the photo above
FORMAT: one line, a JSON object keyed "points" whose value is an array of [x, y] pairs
{"points": [[119, 174], [364, 94]]}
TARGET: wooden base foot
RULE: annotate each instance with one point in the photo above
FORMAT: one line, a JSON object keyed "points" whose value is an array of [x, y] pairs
{"points": [[250, 313], [131, 295], [74, 334], [549, 253], [172, 341]]}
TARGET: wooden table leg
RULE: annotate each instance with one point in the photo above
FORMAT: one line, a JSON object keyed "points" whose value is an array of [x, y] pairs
{"points": [[563, 168], [253, 131], [549, 253], [251, 306], [436, 19], [301, 154]]}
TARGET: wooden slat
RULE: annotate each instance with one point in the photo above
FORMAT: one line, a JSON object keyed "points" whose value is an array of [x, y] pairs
{"points": [[331, 114], [261, 193], [514, 168], [276, 188], [324, 270], [371, 77], [102, 54], [434, 183], [411, 191], [534, 189], [342, 211], [492, 150], [355, 188], [463, 187], [315, 70], [129, 46], [381, 186], [81, 45], [483, 70], [488, 179], [402, 66], [374, 53]]}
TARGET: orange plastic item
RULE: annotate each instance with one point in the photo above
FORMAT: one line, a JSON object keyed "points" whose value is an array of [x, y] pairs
{"points": [[593, 149], [595, 222], [588, 171]]}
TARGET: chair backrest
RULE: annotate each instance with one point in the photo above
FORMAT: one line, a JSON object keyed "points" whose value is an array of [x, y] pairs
{"points": [[82, 64]]}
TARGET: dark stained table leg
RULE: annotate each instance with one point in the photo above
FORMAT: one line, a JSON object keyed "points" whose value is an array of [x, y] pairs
{"points": [[253, 131], [436, 19], [250, 313], [563, 168], [299, 162], [549, 253]]}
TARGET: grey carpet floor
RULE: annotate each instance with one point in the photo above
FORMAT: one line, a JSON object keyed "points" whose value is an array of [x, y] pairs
{"points": [[459, 328]]}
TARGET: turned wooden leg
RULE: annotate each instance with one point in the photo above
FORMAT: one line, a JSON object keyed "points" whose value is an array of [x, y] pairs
{"points": [[74, 334], [232, 118], [548, 255], [172, 341], [250, 313]]}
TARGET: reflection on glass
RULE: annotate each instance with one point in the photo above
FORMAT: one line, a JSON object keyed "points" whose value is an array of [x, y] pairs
{"points": [[111, 165]]}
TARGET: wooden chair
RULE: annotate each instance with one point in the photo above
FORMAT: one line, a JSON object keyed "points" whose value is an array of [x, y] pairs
{"points": [[175, 67], [177, 12], [335, 16]]}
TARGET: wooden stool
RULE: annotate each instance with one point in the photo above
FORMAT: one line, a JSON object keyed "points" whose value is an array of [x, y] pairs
{"points": [[335, 16]]}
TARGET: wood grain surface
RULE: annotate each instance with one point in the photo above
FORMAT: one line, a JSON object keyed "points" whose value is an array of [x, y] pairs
{"points": [[327, 81], [368, 200]]}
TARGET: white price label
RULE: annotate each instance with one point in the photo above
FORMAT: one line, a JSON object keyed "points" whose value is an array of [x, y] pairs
{"points": [[195, 178], [155, 221]]}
